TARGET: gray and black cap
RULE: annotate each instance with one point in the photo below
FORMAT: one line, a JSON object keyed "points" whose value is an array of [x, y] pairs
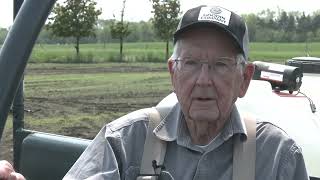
{"points": [[216, 16]]}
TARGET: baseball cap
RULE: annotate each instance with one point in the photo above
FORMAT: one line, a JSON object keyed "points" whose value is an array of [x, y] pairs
{"points": [[216, 16]]}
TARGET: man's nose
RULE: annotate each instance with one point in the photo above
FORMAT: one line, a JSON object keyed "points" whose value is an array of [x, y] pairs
{"points": [[204, 78]]}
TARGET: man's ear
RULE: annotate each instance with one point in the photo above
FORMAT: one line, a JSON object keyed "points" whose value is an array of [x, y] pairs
{"points": [[171, 71], [247, 76], [171, 66]]}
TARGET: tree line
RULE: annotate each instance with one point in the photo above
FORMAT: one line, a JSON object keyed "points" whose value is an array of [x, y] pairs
{"points": [[142, 31], [265, 26], [282, 26]]}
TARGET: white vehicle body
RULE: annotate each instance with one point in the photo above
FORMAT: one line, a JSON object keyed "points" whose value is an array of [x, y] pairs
{"points": [[292, 113]]}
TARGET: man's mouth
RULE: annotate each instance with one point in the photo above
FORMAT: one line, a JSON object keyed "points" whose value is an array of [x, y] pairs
{"points": [[204, 99]]}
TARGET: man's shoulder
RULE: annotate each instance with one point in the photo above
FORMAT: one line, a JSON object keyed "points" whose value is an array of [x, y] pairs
{"points": [[276, 149], [136, 118], [270, 130], [271, 136]]}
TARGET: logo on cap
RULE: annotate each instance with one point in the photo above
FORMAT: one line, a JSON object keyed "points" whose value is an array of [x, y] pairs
{"points": [[215, 10], [214, 14]]}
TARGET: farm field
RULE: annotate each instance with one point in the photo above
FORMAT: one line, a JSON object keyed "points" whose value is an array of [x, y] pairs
{"points": [[78, 99], [155, 52]]}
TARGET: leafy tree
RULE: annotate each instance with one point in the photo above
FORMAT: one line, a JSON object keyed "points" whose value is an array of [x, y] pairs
{"points": [[315, 25], [120, 30], [252, 23], [165, 19], [142, 32], [74, 18], [317, 36], [139, 32], [271, 24], [291, 26], [283, 20], [266, 18], [103, 31], [304, 24], [286, 27]]}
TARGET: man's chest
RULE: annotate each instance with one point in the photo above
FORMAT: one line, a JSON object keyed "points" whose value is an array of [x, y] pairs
{"points": [[183, 163]]}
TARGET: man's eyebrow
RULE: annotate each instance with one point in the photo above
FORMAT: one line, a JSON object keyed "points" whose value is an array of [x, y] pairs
{"points": [[224, 58], [184, 57], [186, 54]]}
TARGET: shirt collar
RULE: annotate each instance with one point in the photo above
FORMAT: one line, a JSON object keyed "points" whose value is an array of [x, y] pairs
{"points": [[173, 127], [168, 127], [234, 126]]}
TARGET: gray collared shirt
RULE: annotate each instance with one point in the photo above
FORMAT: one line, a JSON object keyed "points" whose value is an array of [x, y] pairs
{"points": [[116, 151]]}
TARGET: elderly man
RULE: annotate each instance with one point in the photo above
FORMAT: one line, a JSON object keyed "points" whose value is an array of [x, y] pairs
{"points": [[196, 133], [209, 71]]}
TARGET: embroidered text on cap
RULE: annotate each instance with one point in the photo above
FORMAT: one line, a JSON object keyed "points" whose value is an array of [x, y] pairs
{"points": [[215, 14]]}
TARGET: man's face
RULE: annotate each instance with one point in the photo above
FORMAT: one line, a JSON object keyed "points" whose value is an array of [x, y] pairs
{"points": [[206, 95]]}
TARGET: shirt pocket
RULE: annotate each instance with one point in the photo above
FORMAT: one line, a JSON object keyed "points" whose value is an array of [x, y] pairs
{"points": [[132, 173]]}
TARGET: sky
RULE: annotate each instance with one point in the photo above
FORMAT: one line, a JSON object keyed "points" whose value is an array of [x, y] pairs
{"points": [[137, 10]]}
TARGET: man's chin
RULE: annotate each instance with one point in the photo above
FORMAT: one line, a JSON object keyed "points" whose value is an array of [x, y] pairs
{"points": [[204, 116]]}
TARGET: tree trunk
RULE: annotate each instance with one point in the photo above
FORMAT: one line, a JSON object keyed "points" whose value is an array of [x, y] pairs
{"points": [[121, 46], [77, 46], [167, 50]]}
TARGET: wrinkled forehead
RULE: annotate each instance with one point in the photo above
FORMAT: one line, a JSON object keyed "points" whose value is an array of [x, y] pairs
{"points": [[209, 41]]}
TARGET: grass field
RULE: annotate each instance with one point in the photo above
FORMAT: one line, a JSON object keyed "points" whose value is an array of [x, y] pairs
{"points": [[96, 53], [279, 52], [155, 52]]}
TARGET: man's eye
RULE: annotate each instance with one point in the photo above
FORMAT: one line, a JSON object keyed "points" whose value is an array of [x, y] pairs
{"points": [[221, 64], [191, 63]]}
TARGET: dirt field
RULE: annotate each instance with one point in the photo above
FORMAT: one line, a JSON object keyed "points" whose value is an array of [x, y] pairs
{"points": [[77, 100]]}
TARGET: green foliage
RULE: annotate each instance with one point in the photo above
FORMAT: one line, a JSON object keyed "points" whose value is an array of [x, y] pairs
{"points": [[139, 32], [75, 18], [165, 19], [269, 26], [103, 31], [142, 32], [252, 21], [263, 27], [119, 29]]}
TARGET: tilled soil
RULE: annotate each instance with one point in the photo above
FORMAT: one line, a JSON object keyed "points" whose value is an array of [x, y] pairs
{"points": [[43, 107]]}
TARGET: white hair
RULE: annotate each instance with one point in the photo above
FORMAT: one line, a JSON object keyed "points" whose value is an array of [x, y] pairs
{"points": [[240, 59]]}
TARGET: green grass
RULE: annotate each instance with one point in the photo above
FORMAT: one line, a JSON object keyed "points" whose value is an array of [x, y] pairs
{"points": [[155, 52], [280, 52], [96, 53], [74, 85], [47, 67]]}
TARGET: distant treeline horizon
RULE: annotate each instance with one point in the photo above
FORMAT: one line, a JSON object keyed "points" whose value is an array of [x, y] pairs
{"points": [[265, 26]]}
